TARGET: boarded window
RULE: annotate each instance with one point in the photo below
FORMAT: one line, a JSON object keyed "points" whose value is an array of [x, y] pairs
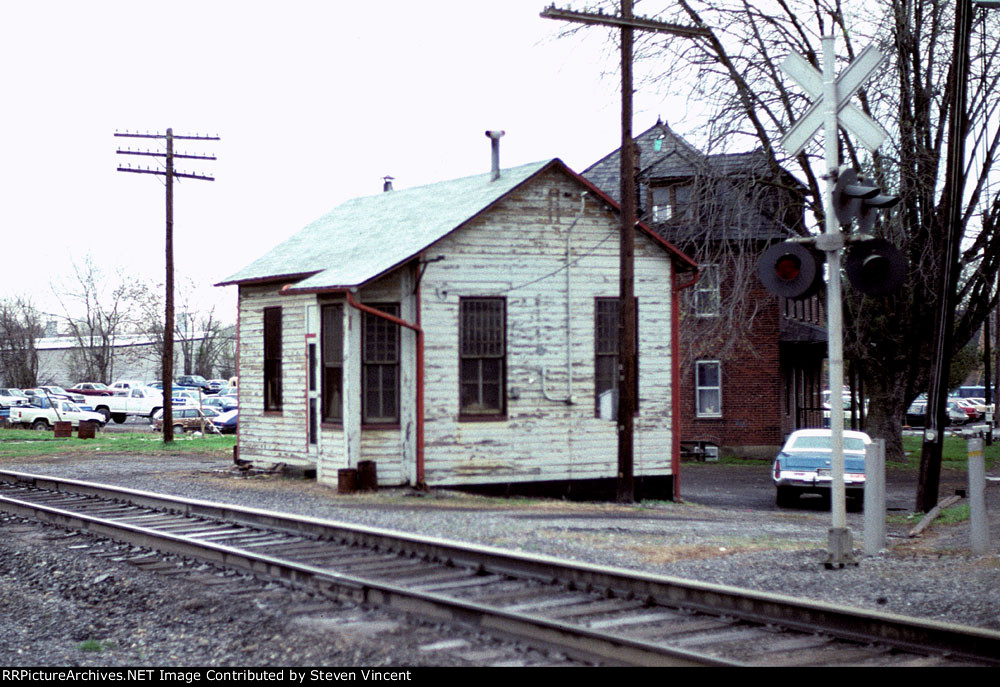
{"points": [[380, 366], [606, 330], [272, 358], [483, 351], [708, 388], [333, 363]]}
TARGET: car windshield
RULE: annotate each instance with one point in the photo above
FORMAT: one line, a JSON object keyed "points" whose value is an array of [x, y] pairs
{"points": [[822, 442]]}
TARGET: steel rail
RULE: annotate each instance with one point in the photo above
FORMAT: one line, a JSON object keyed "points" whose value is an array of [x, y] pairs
{"points": [[575, 640], [852, 624]]}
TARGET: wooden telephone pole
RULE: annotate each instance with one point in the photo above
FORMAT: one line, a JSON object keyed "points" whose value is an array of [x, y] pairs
{"points": [[626, 303], [169, 173]]}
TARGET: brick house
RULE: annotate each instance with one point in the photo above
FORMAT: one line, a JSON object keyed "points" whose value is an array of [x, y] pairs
{"points": [[751, 363], [457, 335]]}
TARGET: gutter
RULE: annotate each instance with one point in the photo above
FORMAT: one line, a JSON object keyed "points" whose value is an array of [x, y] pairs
{"points": [[420, 370], [419, 364], [675, 393]]}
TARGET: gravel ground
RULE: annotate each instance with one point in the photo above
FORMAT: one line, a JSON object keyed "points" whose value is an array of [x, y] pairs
{"points": [[77, 601]]}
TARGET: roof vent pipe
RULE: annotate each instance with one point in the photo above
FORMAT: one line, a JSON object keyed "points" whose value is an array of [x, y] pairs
{"points": [[387, 183], [495, 169]]}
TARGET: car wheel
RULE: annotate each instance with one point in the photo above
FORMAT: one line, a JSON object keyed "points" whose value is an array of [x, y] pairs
{"points": [[786, 497], [40, 424], [106, 414], [119, 418], [178, 429]]}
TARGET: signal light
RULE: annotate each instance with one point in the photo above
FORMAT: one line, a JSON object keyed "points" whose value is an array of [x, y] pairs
{"points": [[791, 269], [853, 197], [875, 267]]}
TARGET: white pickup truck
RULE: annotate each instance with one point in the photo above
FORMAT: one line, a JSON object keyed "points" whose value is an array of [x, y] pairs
{"points": [[138, 400], [47, 413]]}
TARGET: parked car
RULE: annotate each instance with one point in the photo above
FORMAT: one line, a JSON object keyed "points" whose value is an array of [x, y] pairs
{"points": [[218, 386], [981, 406], [54, 393], [916, 414], [222, 404], [13, 397], [186, 396], [123, 385], [187, 419], [846, 402], [45, 413], [92, 389], [968, 407], [194, 382], [803, 465], [227, 422]]}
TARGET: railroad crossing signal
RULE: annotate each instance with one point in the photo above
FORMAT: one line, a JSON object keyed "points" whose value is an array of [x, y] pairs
{"points": [[875, 267], [853, 198], [791, 269], [869, 132]]}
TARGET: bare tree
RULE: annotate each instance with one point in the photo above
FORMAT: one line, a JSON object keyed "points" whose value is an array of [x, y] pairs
{"points": [[206, 345], [98, 312], [749, 103], [20, 329]]}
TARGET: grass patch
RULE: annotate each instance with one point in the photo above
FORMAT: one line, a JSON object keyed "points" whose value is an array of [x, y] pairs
{"points": [[954, 454], [21, 443], [95, 646], [954, 514]]}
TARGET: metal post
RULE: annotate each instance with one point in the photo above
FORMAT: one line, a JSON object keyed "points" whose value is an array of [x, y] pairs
{"points": [[875, 536], [840, 545], [978, 524]]}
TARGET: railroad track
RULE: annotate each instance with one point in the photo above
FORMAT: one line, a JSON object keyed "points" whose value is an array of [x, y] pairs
{"points": [[591, 613]]}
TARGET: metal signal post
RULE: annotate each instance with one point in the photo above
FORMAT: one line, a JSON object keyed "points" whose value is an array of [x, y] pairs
{"points": [[169, 173], [831, 110]]}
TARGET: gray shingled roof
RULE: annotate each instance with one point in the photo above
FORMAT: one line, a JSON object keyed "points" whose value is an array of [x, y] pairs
{"points": [[366, 237], [677, 159]]}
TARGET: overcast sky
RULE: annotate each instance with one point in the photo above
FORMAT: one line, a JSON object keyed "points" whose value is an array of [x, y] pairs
{"points": [[314, 100]]}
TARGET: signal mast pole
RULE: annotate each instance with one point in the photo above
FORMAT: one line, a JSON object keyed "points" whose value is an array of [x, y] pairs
{"points": [[169, 174], [626, 301]]}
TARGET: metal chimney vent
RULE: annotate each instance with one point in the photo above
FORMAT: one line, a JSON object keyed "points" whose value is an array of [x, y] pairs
{"points": [[495, 168]]}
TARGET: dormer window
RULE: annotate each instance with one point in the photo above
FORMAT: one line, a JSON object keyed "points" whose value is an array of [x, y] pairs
{"points": [[670, 202]]}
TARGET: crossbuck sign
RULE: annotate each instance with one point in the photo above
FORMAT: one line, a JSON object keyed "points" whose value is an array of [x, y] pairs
{"points": [[869, 132]]}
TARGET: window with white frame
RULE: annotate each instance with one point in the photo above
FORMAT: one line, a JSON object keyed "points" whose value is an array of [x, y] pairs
{"points": [[707, 296], [708, 388]]}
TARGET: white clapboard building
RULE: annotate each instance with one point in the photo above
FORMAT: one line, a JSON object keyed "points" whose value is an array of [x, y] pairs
{"points": [[461, 333]]}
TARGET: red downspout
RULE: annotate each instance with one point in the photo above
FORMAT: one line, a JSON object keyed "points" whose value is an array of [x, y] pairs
{"points": [[675, 387], [420, 371]]}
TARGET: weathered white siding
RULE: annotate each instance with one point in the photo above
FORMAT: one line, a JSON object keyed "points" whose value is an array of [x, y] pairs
{"points": [[283, 437], [274, 436], [518, 250]]}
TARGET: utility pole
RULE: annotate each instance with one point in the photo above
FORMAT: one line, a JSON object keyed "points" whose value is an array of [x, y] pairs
{"points": [[626, 301], [937, 395], [169, 173]]}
